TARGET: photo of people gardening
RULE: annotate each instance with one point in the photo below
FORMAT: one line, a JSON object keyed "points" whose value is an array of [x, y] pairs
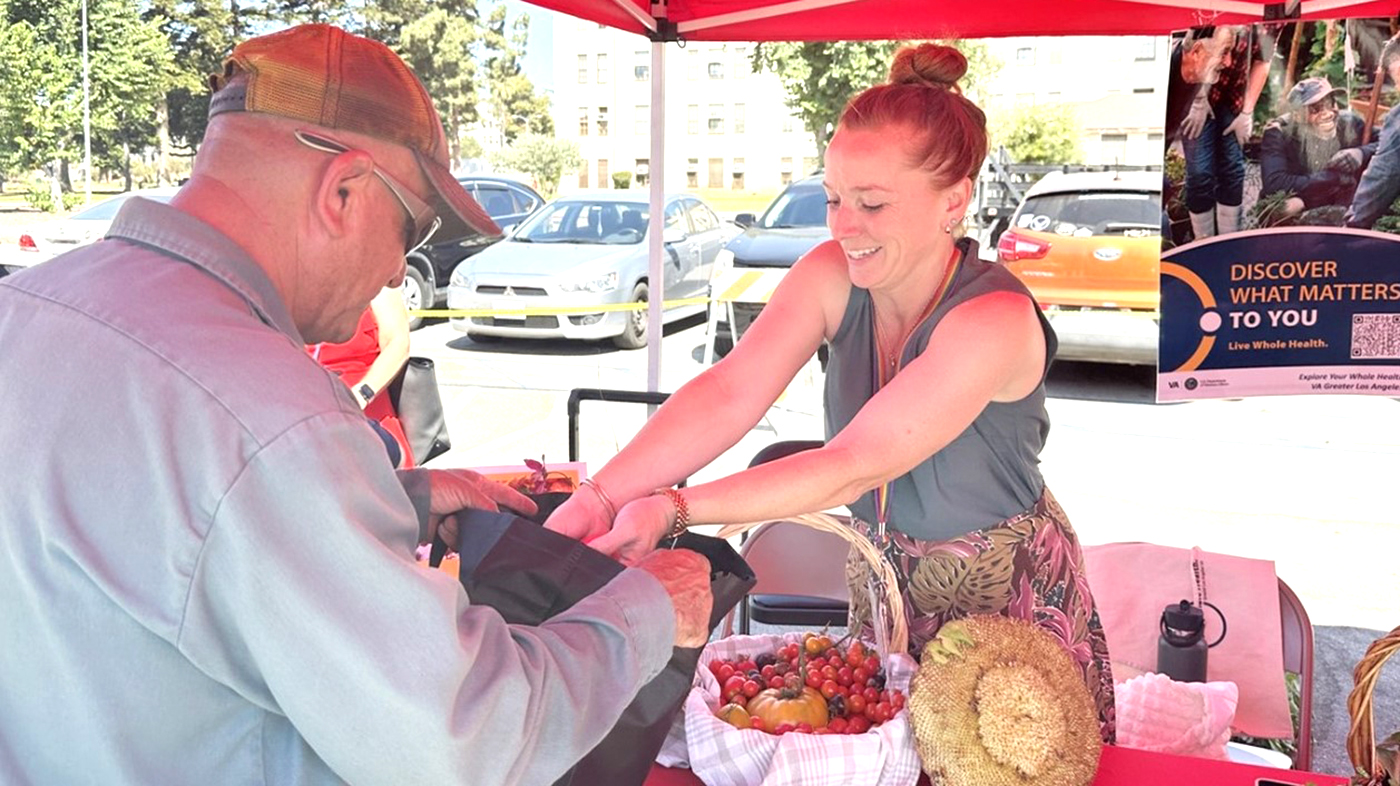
{"points": [[1282, 124]]}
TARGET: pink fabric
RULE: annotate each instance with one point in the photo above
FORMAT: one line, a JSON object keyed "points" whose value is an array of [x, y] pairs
{"points": [[1156, 713], [1133, 582], [721, 754]]}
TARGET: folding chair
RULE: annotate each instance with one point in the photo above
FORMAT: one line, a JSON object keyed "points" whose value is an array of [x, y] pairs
{"points": [[801, 571], [1298, 658]]}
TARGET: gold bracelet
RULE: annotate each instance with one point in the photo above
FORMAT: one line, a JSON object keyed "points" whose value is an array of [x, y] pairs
{"points": [[608, 506], [682, 522]]}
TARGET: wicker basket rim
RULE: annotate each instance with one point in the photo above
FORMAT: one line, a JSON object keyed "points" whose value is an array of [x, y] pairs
{"points": [[1361, 737], [826, 522]]}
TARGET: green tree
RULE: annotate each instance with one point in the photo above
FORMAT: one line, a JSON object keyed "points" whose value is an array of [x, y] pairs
{"points": [[820, 77], [200, 33], [515, 104], [542, 157], [1046, 134], [41, 116], [436, 39]]}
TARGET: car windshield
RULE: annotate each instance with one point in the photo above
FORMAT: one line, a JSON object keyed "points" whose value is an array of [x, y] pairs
{"points": [[1087, 213], [579, 221], [799, 206]]}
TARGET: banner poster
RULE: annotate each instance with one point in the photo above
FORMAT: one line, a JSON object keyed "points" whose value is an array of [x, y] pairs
{"points": [[1281, 226]]}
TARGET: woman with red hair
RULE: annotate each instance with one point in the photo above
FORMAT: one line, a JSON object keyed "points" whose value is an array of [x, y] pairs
{"points": [[935, 391]]}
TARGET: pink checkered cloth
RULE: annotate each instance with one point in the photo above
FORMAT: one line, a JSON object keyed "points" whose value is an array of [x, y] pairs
{"points": [[719, 754]]}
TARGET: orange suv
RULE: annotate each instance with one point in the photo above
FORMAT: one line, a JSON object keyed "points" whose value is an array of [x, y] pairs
{"points": [[1088, 245]]}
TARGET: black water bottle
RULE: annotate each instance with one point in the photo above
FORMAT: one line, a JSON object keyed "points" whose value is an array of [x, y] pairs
{"points": [[1182, 647]]}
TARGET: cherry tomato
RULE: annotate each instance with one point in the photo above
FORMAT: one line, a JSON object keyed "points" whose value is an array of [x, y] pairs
{"points": [[829, 672], [858, 725], [837, 725], [768, 672], [726, 670], [845, 675], [872, 663], [829, 688], [746, 666], [783, 728], [855, 654], [855, 704], [897, 701], [815, 679], [734, 684], [813, 645], [805, 728], [860, 676], [871, 695], [757, 723], [751, 688], [776, 683]]}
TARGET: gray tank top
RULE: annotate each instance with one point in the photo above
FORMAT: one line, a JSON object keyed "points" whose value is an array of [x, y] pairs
{"points": [[990, 472]]}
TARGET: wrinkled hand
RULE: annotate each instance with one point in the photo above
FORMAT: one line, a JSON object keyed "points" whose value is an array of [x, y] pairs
{"points": [[581, 517], [455, 489], [1242, 126], [1196, 118], [1348, 161], [638, 527], [686, 576]]}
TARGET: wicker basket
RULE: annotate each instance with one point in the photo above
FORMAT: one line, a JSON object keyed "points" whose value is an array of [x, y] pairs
{"points": [[899, 624], [1361, 739]]}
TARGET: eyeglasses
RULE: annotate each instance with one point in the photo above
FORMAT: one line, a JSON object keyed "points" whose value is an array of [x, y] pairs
{"points": [[423, 221]]}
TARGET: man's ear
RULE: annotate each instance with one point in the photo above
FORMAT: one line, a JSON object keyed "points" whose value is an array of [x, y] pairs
{"points": [[342, 193]]}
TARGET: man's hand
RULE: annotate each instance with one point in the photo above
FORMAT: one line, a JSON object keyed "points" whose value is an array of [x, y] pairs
{"points": [[686, 576], [455, 489], [1242, 126], [1196, 118], [638, 527], [1347, 161]]}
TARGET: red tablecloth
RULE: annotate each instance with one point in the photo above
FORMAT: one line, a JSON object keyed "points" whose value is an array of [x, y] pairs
{"points": [[1126, 767]]}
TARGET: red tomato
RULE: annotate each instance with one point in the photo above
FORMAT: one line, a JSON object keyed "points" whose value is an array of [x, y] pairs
{"points": [[726, 670], [776, 683], [745, 666], [845, 675], [756, 723], [735, 684], [805, 728], [855, 704], [829, 688], [815, 678], [871, 695], [858, 725], [860, 676], [837, 725], [751, 688], [885, 711], [872, 663], [768, 671]]}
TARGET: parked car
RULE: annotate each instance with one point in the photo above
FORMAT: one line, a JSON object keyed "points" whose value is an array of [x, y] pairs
{"points": [[1088, 245], [430, 268], [792, 225], [584, 250], [53, 237]]}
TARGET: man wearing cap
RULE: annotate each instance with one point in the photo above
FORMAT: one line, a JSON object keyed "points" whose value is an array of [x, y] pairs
{"points": [[1380, 182], [1313, 152], [208, 572]]}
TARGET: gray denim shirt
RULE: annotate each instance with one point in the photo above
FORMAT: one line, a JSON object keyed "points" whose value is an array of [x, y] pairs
{"points": [[207, 562], [1380, 182]]}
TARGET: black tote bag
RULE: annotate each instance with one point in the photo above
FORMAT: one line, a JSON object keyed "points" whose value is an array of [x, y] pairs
{"points": [[529, 574], [417, 402]]}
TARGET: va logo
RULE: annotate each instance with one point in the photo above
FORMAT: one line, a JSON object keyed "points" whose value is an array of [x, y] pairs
{"points": [[1191, 383]]}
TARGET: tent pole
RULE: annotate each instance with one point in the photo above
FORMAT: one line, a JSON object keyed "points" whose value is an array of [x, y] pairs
{"points": [[656, 171]]}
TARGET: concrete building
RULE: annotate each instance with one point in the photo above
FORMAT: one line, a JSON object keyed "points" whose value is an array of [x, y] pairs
{"points": [[1117, 88], [726, 127]]}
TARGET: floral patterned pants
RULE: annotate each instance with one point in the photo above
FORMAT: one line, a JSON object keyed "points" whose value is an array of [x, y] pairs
{"points": [[1027, 567]]}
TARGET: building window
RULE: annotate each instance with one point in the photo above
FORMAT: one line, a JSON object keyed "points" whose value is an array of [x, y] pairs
{"points": [[1154, 137], [1113, 137], [583, 121], [583, 175], [1146, 49], [642, 70], [738, 118], [602, 68], [742, 65], [716, 70], [692, 64], [603, 173], [787, 124], [602, 121], [642, 170], [785, 170], [1025, 55], [583, 69], [1142, 90], [810, 164], [692, 173], [716, 121], [716, 174], [737, 183], [692, 119], [641, 120]]}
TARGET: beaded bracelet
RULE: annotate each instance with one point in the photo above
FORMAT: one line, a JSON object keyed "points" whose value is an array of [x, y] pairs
{"points": [[682, 522], [608, 506]]}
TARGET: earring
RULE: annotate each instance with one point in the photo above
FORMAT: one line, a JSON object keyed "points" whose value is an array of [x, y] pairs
{"points": [[948, 228]]}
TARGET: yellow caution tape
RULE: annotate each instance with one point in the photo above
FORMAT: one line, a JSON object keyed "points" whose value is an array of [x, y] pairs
{"points": [[541, 311]]}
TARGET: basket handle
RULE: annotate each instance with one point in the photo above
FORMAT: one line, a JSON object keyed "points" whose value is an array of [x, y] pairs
{"points": [[825, 522], [1361, 738]]}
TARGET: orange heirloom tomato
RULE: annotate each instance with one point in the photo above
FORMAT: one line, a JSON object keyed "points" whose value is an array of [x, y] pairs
{"points": [[789, 706]]}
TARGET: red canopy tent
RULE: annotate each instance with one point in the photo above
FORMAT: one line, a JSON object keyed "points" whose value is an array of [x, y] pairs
{"points": [[846, 20]]}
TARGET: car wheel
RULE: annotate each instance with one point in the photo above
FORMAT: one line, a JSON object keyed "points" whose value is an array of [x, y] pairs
{"points": [[634, 332], [415, 295]]}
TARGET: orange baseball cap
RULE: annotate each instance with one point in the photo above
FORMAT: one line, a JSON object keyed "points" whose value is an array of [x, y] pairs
{"points": [[323, 75]]}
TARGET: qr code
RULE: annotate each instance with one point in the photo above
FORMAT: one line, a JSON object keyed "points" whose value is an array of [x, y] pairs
{"points": [[1375, 335]]}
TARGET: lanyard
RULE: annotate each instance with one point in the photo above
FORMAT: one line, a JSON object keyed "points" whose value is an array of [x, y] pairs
{"points": [[882, 492]]}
